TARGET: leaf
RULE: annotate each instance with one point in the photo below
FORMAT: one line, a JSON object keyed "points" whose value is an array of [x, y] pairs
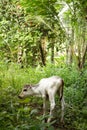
{"points": [[34, 111]]}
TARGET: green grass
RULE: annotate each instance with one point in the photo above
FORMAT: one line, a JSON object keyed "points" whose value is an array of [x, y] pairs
{"points": [[26, 114]]}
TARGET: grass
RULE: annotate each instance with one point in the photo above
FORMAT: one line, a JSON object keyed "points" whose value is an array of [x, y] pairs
{"points": [[26, 114]]}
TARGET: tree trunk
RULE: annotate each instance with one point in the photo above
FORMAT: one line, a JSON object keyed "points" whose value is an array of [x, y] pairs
{"points": [[69, 54], [42, 47], [82, 48], [83, 58], [52, 52]]}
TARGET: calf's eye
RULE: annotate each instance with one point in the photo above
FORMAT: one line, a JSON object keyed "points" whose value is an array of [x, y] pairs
{"points": [[25, 90]]}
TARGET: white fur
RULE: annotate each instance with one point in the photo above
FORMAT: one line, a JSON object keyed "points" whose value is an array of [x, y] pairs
{"points": [[47, 87]]}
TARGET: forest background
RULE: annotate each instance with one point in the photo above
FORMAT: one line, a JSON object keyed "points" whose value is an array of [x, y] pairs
{"points": [[38, 39]]}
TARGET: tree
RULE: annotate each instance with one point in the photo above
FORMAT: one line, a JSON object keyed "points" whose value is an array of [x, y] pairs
{"points": [[41, 26], [45, 12], [24, 34], [75, 13]]}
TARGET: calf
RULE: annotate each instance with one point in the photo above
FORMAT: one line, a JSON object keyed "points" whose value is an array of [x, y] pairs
{"points": [[47, 87]]}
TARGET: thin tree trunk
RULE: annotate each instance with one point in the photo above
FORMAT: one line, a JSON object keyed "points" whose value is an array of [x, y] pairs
{"points": [[52, 52], [83, 58], [42, 47], [42, 55], [20, 56], [82, 49]]}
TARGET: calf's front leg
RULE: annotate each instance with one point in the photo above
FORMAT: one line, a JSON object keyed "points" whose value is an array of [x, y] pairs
{"points": [[44, 106], [52, 106]]}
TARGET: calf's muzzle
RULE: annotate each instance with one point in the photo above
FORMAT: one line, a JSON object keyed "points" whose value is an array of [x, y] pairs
{"points": [[20, 97]]}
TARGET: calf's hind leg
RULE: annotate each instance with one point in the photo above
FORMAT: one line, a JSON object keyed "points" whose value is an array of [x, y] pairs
{"points": [[62, 109]]}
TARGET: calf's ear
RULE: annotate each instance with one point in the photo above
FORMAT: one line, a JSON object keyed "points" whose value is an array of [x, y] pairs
{"points": [[30, 86]]}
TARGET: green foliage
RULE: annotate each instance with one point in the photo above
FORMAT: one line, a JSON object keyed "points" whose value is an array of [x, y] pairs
{"points": [[16, 30], [27, 114], [18, 27], [45, 8]]}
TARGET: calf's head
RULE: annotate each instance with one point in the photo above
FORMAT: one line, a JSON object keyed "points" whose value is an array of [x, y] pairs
{"points": [[26, 91]]}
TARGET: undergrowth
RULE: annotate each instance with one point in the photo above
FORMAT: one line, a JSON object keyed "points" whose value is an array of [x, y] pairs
{"points": [[26, 114]]}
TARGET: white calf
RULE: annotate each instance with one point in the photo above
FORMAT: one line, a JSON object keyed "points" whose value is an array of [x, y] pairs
{"points": [[47, 87]]}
